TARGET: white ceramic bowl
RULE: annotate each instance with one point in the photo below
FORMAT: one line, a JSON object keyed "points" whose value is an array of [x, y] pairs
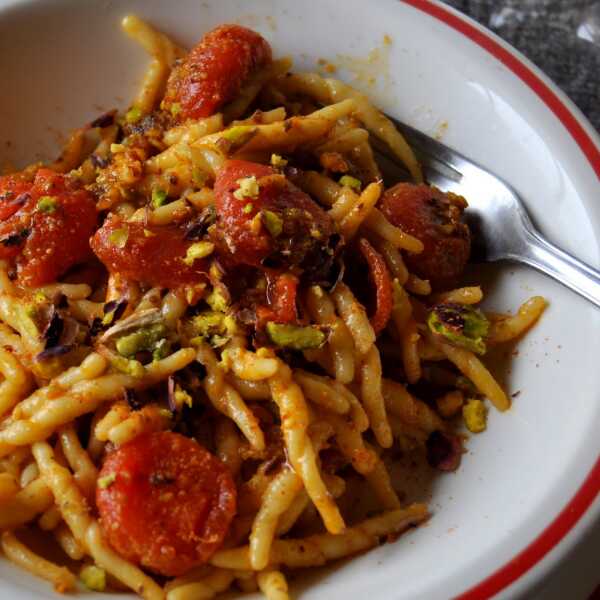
{"points": [[529, 479]]}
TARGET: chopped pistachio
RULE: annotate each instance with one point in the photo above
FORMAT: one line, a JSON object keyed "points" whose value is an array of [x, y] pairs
{"points": [[198, 250], [317, 290], [159, 197], [297, 338], [215, 272], [265, 353], [208, 323], [230, 325], [106, 481], [175, 108], [182, 397], [461, 325], [475, 416], [111, 310], [218, 341], [248, 208], [165, 413], [119, 237], [46, 204], [351, 182], [133, 115], [39, 297], [217, 300], [143, 339], [117, 148], [162, 349], [278, 161], [273, 222], [248, 188], [94, 578], [131, 367]]}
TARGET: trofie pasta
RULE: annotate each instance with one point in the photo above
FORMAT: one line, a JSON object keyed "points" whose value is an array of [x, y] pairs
{"points": [[220, 326]]}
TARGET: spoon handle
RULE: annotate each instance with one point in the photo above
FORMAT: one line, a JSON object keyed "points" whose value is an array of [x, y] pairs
{"points": [[563, 267]]}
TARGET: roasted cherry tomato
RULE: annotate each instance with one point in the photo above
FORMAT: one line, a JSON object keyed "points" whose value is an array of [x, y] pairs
{"points": [[264, 220], [48, 232], [165, 502], [380, 277], [434, 218], [282, 290], [213, 72], [14, 193], [152, 254]]}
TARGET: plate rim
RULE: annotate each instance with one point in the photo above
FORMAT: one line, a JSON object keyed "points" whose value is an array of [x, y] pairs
{"points": [[553, 536], [588, 141]]}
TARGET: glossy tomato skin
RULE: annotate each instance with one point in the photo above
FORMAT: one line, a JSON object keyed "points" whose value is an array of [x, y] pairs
{"points": [[306, 229], [53, 240], [147, 253], [213, 72], [169, 504], [434, 218]]}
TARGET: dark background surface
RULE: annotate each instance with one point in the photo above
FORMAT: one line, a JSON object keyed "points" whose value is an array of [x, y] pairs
{"points": [[546, 32]]}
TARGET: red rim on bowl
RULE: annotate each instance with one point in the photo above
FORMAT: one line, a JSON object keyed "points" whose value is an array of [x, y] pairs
{"points": [[585, 495]]}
